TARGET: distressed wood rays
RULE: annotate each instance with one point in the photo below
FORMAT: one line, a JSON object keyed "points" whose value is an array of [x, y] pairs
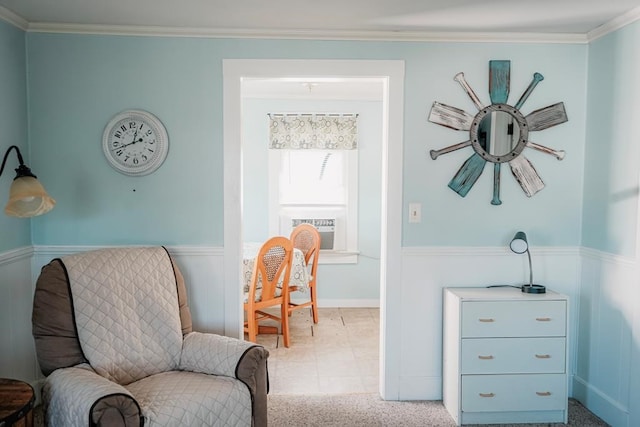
{"points": [[498, 132]]}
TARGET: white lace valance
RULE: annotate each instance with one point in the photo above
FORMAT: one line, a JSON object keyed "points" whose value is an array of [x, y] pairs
{"points": [[319, 131]]}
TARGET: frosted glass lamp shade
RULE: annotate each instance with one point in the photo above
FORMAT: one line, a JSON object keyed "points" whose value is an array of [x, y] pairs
{"points": [[27, 198]]}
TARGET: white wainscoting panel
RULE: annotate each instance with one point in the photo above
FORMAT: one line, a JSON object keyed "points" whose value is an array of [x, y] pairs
{"points": [[607, 352], [17, 354], [203, 273]]}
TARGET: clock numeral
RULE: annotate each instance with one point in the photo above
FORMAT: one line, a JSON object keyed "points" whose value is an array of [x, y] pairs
{"points": [[124, 128], [144, 157], [149, 150], [148, 132], [119, 152], [118, 134], [135, 160], [126, 158], [132, 125]]}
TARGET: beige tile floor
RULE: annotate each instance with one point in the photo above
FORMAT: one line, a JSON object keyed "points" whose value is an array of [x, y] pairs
{"points": [[338, 355]]}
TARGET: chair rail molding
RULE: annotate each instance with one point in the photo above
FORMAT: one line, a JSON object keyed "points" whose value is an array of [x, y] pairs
{"points": [[61, 250], [13, 255]]}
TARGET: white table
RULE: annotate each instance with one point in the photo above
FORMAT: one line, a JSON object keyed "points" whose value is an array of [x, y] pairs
{"points": [[300, 275]]}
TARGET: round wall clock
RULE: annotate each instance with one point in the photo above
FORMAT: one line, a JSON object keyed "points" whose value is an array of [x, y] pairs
{"points": [[135, 142]]}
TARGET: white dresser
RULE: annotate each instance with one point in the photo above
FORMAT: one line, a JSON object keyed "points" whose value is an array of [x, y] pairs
{"points": [[505, 356]]}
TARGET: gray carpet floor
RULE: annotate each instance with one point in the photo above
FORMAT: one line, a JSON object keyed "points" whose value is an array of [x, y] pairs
{"points": [[368, 410]]}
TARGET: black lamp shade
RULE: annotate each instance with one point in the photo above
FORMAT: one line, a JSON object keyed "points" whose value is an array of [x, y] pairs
{"points": [[519, 243]]}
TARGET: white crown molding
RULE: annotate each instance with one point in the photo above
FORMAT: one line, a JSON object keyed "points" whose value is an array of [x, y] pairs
{"points": [[614, 24], [12, 18], [569, 38], [486, 37]]}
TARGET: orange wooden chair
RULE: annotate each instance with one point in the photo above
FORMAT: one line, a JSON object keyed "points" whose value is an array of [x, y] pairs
{"points": [[307, 238], [272, 265]]}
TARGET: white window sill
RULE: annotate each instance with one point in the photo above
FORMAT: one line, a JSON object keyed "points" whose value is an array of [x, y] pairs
{"points": [[338, 257]]}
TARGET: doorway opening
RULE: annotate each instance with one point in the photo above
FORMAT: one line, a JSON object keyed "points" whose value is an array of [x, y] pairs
{"points": [[391, 76]]}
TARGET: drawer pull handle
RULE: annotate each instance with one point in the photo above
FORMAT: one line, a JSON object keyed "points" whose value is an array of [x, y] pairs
{"points": [[486, 394], [481, 357], [543, 319], [486, 320], [543, 393], [543, 356]]}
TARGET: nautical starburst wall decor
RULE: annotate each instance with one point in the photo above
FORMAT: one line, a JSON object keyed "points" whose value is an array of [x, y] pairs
{"points": [[498, 133]]}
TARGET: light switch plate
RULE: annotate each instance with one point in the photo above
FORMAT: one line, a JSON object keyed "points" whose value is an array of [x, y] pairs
{"points": [[415, 212]]}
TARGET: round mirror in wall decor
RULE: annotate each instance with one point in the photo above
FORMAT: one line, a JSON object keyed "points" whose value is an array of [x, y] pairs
{"points": [[498, 133]]}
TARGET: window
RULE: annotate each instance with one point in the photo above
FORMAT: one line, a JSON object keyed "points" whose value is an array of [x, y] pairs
{"points": [[313, 177], [319, 186]]}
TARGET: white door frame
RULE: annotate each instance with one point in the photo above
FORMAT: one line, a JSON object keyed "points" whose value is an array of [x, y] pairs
{"points": [[392, 73]]}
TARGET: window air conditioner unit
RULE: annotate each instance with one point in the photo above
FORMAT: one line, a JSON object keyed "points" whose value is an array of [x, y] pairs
{"points": [[326, 227]]}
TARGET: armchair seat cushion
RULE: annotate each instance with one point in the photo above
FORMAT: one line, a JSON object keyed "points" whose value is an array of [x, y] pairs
{"points": [[179, 398]]}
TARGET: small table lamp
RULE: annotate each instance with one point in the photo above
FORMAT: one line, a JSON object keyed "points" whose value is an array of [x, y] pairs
{"points": [[520, 245], [27, 197]]}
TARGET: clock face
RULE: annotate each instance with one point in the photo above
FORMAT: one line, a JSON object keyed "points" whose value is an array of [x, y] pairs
{"points": [[135, 142]]}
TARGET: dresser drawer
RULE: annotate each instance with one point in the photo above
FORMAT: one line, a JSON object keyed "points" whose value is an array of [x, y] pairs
{"points": [[512, 355], [513, 319], [490, 393]]}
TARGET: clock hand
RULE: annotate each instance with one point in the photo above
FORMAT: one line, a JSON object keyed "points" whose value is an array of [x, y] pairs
{"points": [[125, 145], [131, 143]]}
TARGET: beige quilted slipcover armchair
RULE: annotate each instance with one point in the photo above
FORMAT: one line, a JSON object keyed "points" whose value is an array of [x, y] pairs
{"points": [[113, 335]]}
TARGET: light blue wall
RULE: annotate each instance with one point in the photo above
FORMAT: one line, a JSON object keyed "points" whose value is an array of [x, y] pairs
{"points": [[551, 217], [338, 282], [14, 232], [608, 341], [78, 82], [611, 164]]}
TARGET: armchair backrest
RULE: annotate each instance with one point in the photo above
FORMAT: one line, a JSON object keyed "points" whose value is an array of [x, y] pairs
{"points": [[123, 310]]}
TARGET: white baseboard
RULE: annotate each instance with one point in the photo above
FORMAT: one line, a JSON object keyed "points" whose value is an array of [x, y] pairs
{"points": [[348, 303], [420, 388], [342, 303], [599, 403]]}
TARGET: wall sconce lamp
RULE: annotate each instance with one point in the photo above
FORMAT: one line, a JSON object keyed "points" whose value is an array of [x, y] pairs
{"points": [[520, 245], [27, 196]]}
